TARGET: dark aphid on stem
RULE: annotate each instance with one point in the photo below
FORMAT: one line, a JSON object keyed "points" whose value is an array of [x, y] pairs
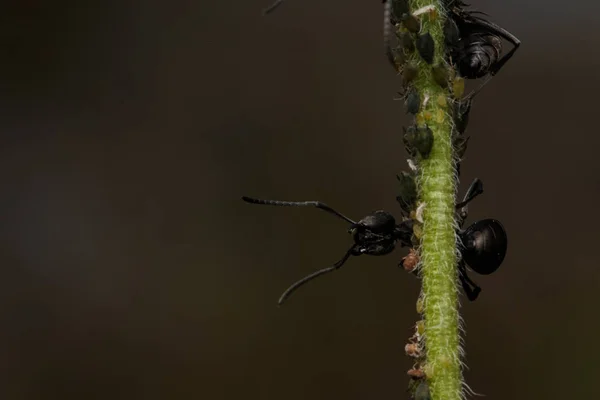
{"points": [[440, 75], [476, 50], [461, 112], [375, 235], [409, 73], [411, 23], [408, 133], [413, 102], [426, 47], [422, 391], [420, 138], [407, 42], [399, 8], [408, 191], [483, 244]]}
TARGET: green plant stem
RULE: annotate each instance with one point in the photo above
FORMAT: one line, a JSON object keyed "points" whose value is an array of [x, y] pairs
{"points": [[436, 184]]}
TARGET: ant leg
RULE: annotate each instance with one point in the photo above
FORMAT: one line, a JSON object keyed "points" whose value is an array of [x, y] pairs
{"points": [[474, 92], [472, 293], [337, 265], [317, 204], [475, 189]]}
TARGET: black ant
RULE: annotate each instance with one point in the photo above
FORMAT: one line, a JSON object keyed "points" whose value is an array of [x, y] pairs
{"points": [[474, 43], [377, 235], [483, 244]]}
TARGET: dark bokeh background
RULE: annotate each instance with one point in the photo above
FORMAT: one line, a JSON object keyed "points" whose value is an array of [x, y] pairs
{"points": [[131, 269]]}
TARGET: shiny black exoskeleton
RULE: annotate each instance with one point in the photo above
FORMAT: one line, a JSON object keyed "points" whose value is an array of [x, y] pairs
{"points": [[483, 244], [376, 234], [475, 44]]}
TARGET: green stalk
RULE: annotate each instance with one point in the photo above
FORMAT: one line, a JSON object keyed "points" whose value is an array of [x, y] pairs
{"points": [[436, 186]]}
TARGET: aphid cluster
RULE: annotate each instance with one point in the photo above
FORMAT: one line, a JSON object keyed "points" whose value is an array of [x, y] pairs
{"points": [[473, 50], [415, 349]]}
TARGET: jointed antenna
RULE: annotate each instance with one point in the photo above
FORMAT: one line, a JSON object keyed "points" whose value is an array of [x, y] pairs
{"points": [[312, 276], [272, 7], [316, 204]]}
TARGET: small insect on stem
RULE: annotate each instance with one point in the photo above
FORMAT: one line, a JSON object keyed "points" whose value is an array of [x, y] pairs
{"points": [[422, 392]]}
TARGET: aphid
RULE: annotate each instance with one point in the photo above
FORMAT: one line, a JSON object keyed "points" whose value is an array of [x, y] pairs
{"points": [[420, 138], [408, 191], [422, 392], [475, 43], [412, 350], [413, 102], [410, 261], [426, 47], [416, 373], [484, 243], [397, 9], [420, 308], [407, 42], [458, 86], [409, 73], [408, 133], [411, 23], [440, 75], [375, 235], [462, 108]]}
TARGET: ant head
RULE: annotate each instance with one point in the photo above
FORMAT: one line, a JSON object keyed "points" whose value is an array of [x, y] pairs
{"points": [[375, 233]]}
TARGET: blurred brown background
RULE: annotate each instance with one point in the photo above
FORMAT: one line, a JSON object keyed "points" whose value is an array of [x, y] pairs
{"points": [[132, 270]]}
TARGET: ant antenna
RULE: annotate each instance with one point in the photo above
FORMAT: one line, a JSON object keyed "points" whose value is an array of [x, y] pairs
{"points": [[474, 190], [387, 28], [317, 204], [272, 7], [312, 276]]}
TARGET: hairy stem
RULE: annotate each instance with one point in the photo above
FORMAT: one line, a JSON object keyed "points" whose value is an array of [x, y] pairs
{"points": [[436, 185]]}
